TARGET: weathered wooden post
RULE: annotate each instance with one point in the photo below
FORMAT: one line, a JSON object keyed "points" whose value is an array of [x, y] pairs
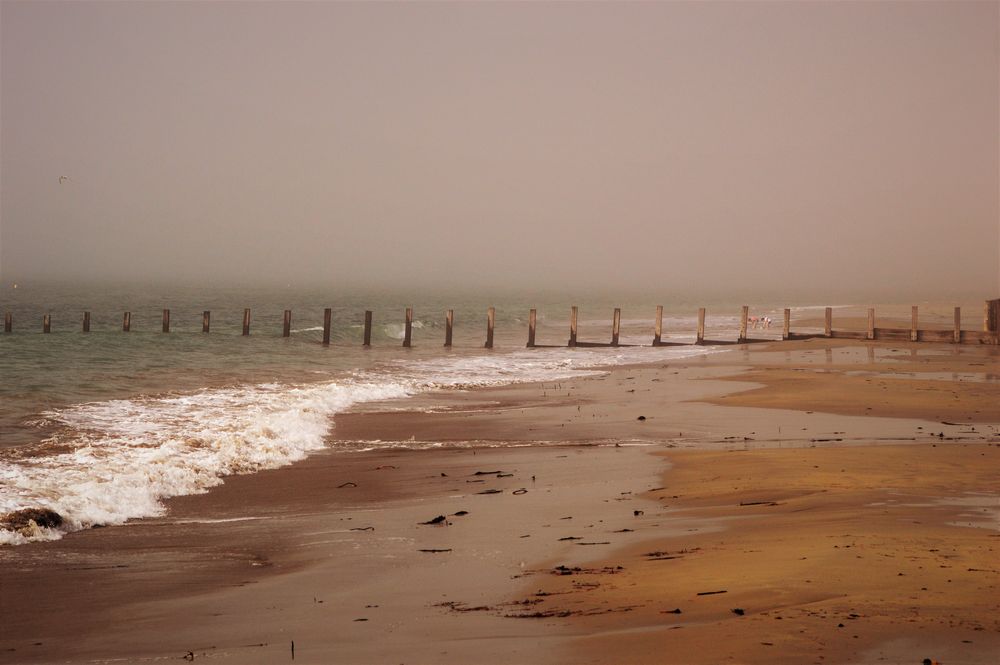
{"points": [[991, 317], [368, 328], [127, 322], [491, 315], [532, 319], [166, 320], [744, 314], [286, 328], [699, 336], [616, 323], [786, 329], [658, 326], [46, 323], [8, 322], [206, 320], [913, 324], [327, 316], [86, 322], [871, 323], [408, 330], [246, 322], [449, 323], [572, 326], [958, 326], [828, 322]]}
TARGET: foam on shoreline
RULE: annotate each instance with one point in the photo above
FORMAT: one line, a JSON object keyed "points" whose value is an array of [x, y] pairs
{"points": [[115, 460]]}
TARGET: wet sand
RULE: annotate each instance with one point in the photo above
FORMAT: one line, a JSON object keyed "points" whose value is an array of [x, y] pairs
{"points": [[840, 555], [848, 458]]}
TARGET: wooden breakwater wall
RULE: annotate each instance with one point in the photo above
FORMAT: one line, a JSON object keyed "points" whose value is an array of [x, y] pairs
{"points": [[990, 333], [914, 333]]}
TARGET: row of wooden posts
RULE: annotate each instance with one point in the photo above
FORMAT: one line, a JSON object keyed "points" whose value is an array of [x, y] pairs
{"points": [[991, 321], [914, 333], [286, 331]]}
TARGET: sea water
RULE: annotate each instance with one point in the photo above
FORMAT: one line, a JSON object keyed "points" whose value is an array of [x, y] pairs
{"points": [[101, 427]]}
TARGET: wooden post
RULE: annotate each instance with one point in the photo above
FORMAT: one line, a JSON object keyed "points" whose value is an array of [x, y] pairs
{"points": [[408, 330], [206, 320], [532, 320], [616, 324], [699, 336], [572, 326], [828, 322], [368, 328], [449, 323], [46, 323], [991, 318], [8, 322], [286, 328], [127, 322], [786, 329], [658, 327], [86, 322], [327, 316], [491, 317], [913, 324], [246, 322], [744, 314], [871, 323], [166, 320], [958, 325]]}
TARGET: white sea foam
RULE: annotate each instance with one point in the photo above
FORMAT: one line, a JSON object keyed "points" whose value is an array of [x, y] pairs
{"points": [[398, 330], [118, 459]]}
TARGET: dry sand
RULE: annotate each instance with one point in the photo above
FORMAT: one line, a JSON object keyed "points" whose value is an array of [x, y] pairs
{"points": [[871, 535], [858, 555]]}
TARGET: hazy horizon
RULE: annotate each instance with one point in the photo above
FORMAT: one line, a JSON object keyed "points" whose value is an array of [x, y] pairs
{"points": [[836, 149]]}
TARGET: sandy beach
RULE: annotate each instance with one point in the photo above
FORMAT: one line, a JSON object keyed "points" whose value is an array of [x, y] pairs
{"points": [[815, 501], [500, 333]]}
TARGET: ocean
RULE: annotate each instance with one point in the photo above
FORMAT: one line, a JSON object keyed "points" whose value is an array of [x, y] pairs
{"points": [[101, 427]]}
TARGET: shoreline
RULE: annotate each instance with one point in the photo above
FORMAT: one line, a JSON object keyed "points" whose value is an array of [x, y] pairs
{"points": [[241, 572], [200, 575]]}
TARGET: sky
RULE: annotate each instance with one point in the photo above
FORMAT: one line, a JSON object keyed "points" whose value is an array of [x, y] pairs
{"points": [[831, 148]]}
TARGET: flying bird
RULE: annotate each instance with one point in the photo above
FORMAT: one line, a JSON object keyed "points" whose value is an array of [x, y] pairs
{"points": [[62, 178]]}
